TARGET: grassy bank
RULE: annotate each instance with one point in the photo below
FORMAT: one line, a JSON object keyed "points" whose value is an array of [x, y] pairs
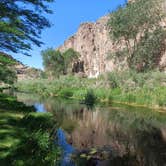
{"points": [[147, 89], [26, 137]]}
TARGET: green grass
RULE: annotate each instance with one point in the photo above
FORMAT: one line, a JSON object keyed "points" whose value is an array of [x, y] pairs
{"points": [[9, 133], [147, 89], [25, 136]]}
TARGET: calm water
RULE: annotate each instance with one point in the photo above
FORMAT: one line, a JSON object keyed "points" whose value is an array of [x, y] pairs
{"points": [[105, 135]]}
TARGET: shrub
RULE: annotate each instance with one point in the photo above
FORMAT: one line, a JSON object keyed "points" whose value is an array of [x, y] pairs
{"points": [[33, 121], [35, 148], [114, 79], [90, 97]]}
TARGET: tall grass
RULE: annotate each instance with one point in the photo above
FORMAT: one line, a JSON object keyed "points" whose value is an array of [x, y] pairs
{"points": [[126, 86]]}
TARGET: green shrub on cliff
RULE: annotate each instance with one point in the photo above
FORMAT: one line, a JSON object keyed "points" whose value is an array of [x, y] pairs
{"points": [[138, 26]]}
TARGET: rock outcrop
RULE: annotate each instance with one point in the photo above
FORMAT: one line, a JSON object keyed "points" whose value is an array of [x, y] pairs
{"points": [[26, 73], [93, 42]]}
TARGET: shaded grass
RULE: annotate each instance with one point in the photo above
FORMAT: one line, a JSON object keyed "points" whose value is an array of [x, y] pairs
{"points": [[25, 136], [9, 133]]}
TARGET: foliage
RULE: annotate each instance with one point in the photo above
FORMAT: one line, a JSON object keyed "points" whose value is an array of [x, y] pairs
{"points": [[53, 62], [66, 93], [69, 56], [44, 121], [21, 23], [125, 86], [9, 103], [149, 49], [113, 80], [6, 59], [35, 148], [57, 63], [137, 26], [7, 74], [90, 97], [28, 139]]}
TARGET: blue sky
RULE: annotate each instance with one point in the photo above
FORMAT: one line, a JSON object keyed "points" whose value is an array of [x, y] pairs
{"points": [[68, 15]]}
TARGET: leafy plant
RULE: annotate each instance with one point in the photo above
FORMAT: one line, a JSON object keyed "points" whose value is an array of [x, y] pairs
{"points": [[137, 26], [21, 23], [57, 63], [90, 97]]}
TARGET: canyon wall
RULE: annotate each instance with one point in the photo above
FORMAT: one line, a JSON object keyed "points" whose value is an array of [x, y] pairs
{"points": [[93, 42]]}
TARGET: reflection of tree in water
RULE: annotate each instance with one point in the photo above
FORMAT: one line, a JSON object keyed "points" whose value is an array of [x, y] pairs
{"points": [[131, 135], [139, 141], [137, 138], [151, 147]]}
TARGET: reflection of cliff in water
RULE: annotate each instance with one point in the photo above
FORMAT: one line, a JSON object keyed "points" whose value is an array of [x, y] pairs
{"points": [[136, 136], [91, 130], [136, 140]]}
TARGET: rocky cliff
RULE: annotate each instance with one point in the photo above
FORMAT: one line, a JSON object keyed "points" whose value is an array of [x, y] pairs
{"points": [[26, 73], [93, 42]]}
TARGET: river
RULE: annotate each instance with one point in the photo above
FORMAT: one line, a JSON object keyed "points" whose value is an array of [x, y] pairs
{"points": [[105, 135]]}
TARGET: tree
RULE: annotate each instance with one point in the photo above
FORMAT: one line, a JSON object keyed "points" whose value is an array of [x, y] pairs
{"points": [[149, 50], [7, 73], [57, 63], [21, 23], [134, 24], [53, 62], [69, 56]]}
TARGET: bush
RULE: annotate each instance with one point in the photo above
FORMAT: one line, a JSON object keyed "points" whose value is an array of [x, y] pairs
{"points": [[34, 121], [35, 148], [113, 79], [90, 97]]}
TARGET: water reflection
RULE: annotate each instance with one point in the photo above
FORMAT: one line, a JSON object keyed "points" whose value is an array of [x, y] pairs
{"points": [[39, 107], [136, 136], [67, 149]]}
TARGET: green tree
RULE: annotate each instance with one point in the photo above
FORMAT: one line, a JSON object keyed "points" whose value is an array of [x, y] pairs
{"points": [[134, 24], [57, 63], [21, 23], [69, 56], [7, 73], [53, 62], [149, 50]]}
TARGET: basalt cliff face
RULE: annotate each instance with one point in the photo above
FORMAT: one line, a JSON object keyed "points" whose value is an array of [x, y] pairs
{"points": [[93, 42]]}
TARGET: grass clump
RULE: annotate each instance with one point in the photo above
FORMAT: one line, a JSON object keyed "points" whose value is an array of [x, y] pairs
{"points": [[90, 97]]}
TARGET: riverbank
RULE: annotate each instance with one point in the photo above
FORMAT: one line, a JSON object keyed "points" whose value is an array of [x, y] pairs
{"points": [[26, 136], [143, 89]]}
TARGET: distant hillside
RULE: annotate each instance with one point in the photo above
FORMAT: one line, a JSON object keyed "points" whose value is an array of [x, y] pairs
{"points": [[22, 71]]}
